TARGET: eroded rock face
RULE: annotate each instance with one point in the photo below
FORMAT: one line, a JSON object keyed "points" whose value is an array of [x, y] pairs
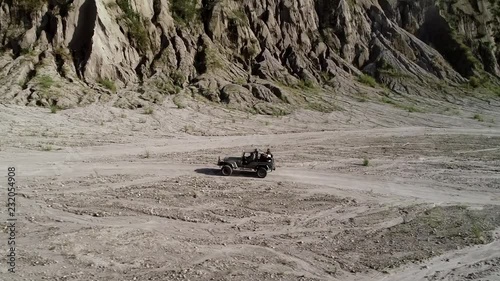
{"points": [[235, 51]]}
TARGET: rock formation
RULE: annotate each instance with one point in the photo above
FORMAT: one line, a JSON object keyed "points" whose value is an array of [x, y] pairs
{"points": [[252, 52]]}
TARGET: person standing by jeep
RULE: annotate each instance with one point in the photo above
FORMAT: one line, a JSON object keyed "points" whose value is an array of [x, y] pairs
{"points": [[255, 155], [269, 154]]}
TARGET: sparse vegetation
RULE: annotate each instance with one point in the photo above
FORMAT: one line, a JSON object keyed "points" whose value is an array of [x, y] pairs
{"points": [[136, 24], [320, 107], [177, 101], [111, 4], [63, 53], [277, 112], [477, 232], [167, 87], [146, 154], [30, 5], [478, 117], [148, 110], [366, 162], [240, 16], [185, 12], [394, 73], [28, 52], [474, 82], [54, 109], [108, 84], [45, 82], [240, 81], [178, 78], [305, 84], [409, 108], [387, 100], [368, 80], [46, 147], [361, 97], [212, 59], [187, 129]]}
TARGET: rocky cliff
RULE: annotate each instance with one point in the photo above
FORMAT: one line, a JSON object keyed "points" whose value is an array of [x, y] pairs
{"points": [[258, 54]]}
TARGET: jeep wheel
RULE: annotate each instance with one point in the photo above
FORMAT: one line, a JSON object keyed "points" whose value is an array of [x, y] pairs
{"points": [[227, 170], [261, 172]]}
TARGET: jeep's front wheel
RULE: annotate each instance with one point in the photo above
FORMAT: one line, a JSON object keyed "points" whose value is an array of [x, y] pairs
{"points": [[261, 172], [227, 170]]}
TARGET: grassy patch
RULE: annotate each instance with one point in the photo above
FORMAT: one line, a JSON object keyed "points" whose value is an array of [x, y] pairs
{"points": [[240, 81], [387, 100], [320, 107], [305, 84], [240, 17], [30, 5], [178, 78], [368, 80], [387, 69], [212, 59], [54, 109], [409, 108], [491, 87], [361, 97], [45, 82], [394, 73], [326, 76], [63, 53], [474, 82], [167, 87], [366, 162], [108, 84], [478, 117], [136, 24], [277, 112], [28, 52], [477, 232], [185, 12]]}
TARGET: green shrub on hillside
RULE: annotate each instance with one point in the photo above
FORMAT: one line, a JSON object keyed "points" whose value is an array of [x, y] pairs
{"points": [[368, 80], [30, 5], [184, 11], [474, 82], [136, 25], [108, 84]]}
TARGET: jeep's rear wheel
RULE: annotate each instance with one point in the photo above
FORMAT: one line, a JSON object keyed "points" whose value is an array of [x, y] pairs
{"points": [[227, 170], [261, 172]]}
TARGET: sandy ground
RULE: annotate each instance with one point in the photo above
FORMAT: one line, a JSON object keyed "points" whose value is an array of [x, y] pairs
{"points": [[108, 194]]}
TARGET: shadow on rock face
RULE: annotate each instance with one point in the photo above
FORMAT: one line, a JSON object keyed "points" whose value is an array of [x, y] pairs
{"points": [[81, 43]]}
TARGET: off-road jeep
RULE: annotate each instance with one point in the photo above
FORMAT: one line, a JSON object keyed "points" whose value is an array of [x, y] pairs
{"points": [[249, 162]]}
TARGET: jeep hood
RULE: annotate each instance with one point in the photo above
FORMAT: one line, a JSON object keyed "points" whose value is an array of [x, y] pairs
{"points": [[231, 159]]}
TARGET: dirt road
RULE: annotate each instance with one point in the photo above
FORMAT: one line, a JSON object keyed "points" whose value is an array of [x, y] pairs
{"points": [[424, 208]]}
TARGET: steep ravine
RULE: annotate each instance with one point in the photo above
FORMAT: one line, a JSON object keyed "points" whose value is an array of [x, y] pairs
{"points": [[260, 54]]}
